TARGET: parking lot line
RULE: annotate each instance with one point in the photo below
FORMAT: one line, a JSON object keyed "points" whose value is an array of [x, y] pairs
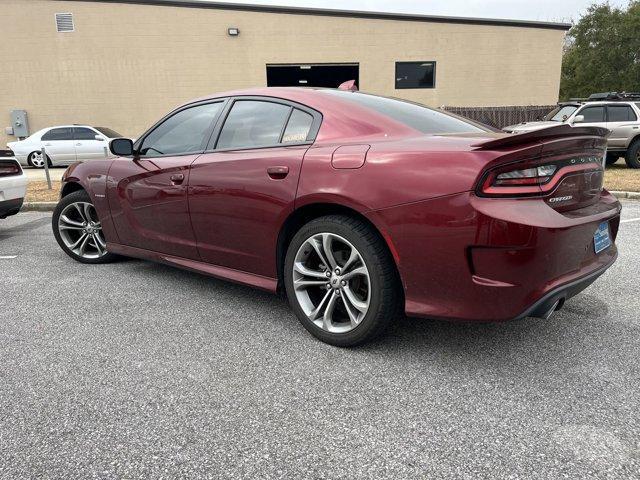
{"points": [[629, 220], [8, 257]]}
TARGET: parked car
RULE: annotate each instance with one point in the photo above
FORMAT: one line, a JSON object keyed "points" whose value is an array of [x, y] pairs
{"points": [[13, 187], [64, 145], [621, 117], [359, 207]]}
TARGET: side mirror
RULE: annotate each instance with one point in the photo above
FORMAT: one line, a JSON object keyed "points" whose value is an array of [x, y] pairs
{"points": [[578, 119], [122, 147], [99, 138]]}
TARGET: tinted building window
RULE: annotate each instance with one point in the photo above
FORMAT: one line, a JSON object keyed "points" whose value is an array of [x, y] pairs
{"points": [[620, 113], [184, 132], [64, 133], [253, 123], [84, 134], [415, 75], [418, 117], [298, 127], [592, 114]]}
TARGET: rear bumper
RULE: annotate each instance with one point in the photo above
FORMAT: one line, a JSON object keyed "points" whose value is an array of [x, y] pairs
{"points": [[554, 300], [10, 207], [467, 258]]}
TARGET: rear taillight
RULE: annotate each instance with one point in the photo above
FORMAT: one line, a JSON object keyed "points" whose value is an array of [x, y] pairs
{"points": [[9, 168], [534, 177]]}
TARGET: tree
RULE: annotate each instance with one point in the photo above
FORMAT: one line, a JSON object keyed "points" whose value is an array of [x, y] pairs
{"points": [[602, 53]]}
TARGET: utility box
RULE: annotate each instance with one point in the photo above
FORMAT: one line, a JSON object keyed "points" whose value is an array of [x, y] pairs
{"points": [[20, 123]]}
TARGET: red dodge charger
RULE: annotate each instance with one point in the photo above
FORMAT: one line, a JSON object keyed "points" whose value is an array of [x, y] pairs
{"points": [[359, 207]]}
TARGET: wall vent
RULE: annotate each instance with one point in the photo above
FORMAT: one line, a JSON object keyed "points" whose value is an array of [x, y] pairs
{"points": [[64, 22]]}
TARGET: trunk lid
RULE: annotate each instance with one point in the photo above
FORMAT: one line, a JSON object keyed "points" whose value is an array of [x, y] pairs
{"points": [[564, 165]]}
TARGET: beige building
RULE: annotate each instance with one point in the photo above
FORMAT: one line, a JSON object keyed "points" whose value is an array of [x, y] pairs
{"points": [[123, 64]]}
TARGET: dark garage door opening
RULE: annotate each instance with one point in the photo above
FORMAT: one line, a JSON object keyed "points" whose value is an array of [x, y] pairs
{"points": [[329, 75]]}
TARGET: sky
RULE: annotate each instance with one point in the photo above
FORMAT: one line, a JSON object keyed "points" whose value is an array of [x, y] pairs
{"points": [[541, 10]]}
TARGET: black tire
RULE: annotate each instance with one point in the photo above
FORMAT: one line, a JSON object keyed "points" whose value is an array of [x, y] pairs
{"points": [[78, 196], [386, 296], [632, 158], [30, 162], [612, 158]]}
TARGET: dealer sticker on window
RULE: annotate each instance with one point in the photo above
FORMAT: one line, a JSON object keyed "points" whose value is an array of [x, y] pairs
{"points": [[602, 239]]}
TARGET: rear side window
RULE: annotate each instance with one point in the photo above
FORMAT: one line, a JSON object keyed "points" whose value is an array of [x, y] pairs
{"points": [[84, 134], [413, 115], [298, 127], [63, 133], [620, 113], [184, 132], [253, 124], [592, 114]]}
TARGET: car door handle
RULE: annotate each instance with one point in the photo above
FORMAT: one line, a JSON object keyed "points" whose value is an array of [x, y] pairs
{"points": [[278, 173], [177, 178], [47, 144], [78, 144]]}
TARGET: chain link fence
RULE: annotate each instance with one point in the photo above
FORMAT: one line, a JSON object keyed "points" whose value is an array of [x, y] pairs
{"points": [[500, 117]]}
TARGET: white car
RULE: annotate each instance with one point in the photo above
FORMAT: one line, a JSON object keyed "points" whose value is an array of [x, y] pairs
{"points": [[13, 187], [63, 145]]}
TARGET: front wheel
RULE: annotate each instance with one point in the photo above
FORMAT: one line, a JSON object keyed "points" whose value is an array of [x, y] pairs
{"points": [[36, 159], [78, 230], [341, 280], [632, 158]]}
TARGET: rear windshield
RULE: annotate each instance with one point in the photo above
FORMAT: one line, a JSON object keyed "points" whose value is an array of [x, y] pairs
{"points": [[107, 132], [413, 115]]}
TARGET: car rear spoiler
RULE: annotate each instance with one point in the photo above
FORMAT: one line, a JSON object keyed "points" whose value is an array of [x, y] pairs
{"points": [[560, 131]]}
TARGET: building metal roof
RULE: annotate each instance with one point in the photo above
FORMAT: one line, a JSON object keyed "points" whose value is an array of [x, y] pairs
{"points": [[327, 12]]}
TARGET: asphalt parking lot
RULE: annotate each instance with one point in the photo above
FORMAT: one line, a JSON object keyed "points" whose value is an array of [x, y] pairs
{"points": [[135, 370]]}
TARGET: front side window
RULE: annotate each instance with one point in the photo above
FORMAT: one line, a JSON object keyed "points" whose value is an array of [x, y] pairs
{"points": [[84, 134], [184, 132], [620, 113], [63, 133], [415, 75], [592, 114], [253, 124]]}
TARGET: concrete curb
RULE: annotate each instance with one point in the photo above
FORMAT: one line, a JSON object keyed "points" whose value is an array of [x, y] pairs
{"points": [[629, 195], [38, 206], [50, 206]]}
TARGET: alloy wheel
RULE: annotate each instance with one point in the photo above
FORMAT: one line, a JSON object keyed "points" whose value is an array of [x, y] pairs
{"points": [[37, 159], [331, 282], [81, 230]]}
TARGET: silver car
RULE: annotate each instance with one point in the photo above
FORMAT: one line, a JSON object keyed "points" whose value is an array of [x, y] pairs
{"points": [[622, 118]]}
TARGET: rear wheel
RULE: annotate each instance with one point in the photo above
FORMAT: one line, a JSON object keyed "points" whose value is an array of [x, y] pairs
{"points": [[78, 230], [341, 281], [633, 155]]}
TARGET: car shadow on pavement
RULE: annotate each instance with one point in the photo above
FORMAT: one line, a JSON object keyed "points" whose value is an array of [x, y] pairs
{"points": [[417, 336]]}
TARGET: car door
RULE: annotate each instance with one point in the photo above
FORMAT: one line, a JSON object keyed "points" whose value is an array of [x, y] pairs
{"points": [[148, 193], [244, 186], [59, 145], [622, 121], [87, 145]]}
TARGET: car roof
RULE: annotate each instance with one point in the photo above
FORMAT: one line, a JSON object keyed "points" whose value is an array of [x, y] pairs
{"points": [[70, 126], [342, 119]]}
